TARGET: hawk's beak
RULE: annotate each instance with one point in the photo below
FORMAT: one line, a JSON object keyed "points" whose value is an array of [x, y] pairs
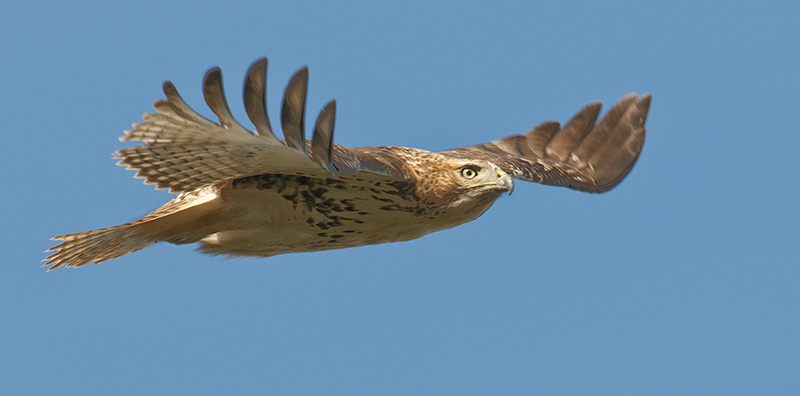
{"points": [[504, 183]]}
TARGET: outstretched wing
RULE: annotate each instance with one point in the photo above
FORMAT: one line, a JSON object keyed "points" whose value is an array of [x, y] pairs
{"points": [[583, 155], [185, 151]]}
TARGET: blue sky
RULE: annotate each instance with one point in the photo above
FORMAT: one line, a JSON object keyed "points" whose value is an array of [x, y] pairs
{"points": [[682, 280]]}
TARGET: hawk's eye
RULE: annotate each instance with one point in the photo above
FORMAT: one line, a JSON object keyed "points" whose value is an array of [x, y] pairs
{"points": [[469, 173]]}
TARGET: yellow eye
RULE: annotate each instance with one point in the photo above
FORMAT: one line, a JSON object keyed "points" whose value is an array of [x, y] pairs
{"points": [[469, 173]]}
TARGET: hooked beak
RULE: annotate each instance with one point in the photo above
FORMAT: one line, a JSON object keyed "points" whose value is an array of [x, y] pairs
{"points": [[503, 183]]}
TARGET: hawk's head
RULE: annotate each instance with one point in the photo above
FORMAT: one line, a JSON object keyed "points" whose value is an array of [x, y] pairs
{"points": [[458, 188]]}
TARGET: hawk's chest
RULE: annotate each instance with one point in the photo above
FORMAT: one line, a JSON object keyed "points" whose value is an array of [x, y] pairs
{"points": [[273, 214]]}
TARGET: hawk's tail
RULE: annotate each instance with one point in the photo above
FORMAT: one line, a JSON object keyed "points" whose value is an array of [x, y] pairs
{"points": [[96, 246], [186, 219]]}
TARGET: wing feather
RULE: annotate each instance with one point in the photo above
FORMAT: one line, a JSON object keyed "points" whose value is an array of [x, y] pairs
{"points": [[562, 143], [293, 112], [214, 95], [321, 143], [583, 155], [255, 98], [184, 151]]}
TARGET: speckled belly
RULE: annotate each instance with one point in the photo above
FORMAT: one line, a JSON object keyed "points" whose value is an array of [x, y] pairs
{"points": [[273, 214]]}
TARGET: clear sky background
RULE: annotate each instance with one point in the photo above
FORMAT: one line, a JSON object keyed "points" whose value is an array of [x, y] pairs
{"points": [[685, 279]]}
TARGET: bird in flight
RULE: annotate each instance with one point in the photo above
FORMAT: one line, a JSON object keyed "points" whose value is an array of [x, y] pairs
{"points": [[248, 193]]}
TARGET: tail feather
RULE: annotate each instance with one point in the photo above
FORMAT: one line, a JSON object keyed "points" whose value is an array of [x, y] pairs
{"points": [[186, 219], [96, 246]]}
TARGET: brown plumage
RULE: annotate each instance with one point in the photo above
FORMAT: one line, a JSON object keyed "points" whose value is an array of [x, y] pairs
{"points": [[248, 193]]}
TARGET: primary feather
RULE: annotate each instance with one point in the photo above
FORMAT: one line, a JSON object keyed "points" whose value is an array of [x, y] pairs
{"points": [[246, 193]]}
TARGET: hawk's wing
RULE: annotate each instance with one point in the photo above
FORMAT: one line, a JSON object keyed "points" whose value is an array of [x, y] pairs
{"points": [[186, 151], [582, 156]]}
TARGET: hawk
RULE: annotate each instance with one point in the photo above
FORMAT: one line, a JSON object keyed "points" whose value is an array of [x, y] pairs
{"points": [[248, 193]]}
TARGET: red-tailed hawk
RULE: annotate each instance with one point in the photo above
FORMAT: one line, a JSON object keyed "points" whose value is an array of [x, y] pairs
{"points": [[246, 193]]}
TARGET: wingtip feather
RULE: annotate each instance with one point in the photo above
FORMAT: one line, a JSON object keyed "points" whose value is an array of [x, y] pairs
{"points": [[293, 110], [255, 100]]}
